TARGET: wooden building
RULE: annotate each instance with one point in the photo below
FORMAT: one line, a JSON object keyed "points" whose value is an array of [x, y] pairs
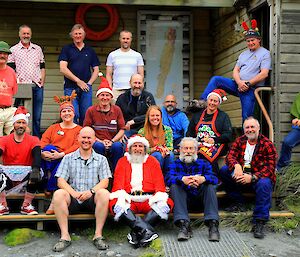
{"points": [[212, 36]]}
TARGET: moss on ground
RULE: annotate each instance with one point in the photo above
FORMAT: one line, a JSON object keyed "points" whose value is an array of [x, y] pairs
{"points": [[155, 249], [22, 236]]}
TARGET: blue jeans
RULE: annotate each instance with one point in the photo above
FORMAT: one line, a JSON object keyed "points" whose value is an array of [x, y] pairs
{"points": [[50, 167], [81, 103], [290, 141], [263, 189], [183, 200], [247, 98], [113, 154], [164, 162], [37, 107]]}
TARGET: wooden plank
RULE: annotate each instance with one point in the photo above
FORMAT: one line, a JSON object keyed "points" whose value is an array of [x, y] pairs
{"points": [[290, 48]]}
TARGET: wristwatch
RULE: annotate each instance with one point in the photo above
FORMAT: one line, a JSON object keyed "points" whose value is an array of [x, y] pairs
{"points": [[248, 84], [92, 191], [253, 179]]}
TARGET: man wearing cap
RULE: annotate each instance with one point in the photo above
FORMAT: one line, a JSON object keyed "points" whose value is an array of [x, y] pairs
{"points": [[76, 61], [139, 188], [250, 166], [174, 118], [122, 63], [82, 177], [212, 128], [134, 104], [8, 88], [109, 125], [29, 62], [250, 72], [191, 183], [21, 149]]}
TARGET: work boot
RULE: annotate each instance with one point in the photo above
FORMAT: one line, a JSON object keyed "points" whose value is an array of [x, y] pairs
{"points": [[213, 231], [185, 231], [258, 229]]}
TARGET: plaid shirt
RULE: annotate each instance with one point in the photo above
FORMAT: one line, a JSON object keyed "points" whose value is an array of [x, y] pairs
{"points": [[264, 157], [28, 62], [178, 169], [80, 175]]}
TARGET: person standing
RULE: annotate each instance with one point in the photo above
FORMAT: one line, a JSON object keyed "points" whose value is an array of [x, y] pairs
{"points": [[79, 64], [175, 119], [134, 104], [122, 63], [250, 72], [8, 88], [29, 62]]}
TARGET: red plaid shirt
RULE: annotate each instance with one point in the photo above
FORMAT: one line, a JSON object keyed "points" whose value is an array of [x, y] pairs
{"points": [[264, 157]]}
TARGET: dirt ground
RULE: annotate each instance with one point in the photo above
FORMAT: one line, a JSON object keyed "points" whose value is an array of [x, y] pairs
{"points": [[274, 244]]}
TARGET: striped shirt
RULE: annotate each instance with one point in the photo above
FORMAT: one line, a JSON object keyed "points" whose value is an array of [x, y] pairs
{"points": [[82, 175]]}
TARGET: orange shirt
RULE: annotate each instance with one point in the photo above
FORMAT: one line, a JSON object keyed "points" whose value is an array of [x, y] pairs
{"points": [[65, 139], [8, 86]]}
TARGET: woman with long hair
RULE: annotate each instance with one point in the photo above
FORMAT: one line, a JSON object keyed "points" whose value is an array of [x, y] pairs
{"points": [[159, 136]]}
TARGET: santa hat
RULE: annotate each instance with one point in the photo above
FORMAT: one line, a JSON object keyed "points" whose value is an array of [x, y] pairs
{"points": [[65, 102], [21, 114], [251, 32], [137, 139], [220, 93], [104, 86]]}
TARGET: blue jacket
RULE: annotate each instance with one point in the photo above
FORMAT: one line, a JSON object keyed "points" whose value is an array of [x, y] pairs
{"points": [[178, 122]]}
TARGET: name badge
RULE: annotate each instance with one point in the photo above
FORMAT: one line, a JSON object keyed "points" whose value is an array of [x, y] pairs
{"points": [[113, 122]]}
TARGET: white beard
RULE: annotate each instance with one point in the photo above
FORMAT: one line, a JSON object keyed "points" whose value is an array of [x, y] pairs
{"points": [[137, 158], [188, 158]]}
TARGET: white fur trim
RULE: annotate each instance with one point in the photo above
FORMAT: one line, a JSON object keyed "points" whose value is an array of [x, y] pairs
{"points": [[104, 89], [123, 202], [136, 177], [21, 116], [213, 93], [137, 139]]}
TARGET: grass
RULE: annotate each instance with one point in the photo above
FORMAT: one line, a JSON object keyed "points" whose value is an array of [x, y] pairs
{"points": [[155, 249], [22, 236]]}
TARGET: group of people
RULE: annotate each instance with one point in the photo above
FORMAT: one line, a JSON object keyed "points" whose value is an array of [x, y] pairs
{"points": [[127, 138]]}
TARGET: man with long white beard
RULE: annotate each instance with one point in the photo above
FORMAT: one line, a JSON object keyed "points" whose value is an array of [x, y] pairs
{"points": [[191, 183], [139, 188]]}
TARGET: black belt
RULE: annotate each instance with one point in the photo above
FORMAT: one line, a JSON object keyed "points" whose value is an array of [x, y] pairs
{"points": [[4, 107], [141, 193]]}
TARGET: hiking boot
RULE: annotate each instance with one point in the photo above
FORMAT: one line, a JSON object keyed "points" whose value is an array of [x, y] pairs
{"points": [[28, 210], [258, 229], [236, 207], [4, 210], [185, 231], [213, 231], [147, 237]]}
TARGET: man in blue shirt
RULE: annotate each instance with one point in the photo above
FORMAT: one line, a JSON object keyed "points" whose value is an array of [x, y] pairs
{"points": [[174, 118], [191, 183], [79, 64], [250, 72]]}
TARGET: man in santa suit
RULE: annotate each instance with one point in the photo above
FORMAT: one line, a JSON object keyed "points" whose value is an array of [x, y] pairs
{"points": [[139, 188]]}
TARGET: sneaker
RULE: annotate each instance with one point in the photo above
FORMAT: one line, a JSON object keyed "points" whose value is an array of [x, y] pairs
{"points": [[4, 210], [147, 237], [133, 238], [28, 210]]}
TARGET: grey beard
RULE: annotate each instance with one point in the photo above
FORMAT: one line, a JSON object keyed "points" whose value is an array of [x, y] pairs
{"points": [[170, 108], [20, 131], [136, 158], [188, 158]]}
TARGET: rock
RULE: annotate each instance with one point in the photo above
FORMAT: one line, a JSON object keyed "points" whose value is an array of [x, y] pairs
{"points": [[110, 253], [290, 232]]}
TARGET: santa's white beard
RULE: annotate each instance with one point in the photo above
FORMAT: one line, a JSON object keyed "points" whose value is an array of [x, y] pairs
{"points": [[188, 158], [137, 158]]}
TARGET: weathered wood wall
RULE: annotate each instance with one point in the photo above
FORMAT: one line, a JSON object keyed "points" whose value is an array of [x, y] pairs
{"points": [[51, 23], [289, 67]]}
